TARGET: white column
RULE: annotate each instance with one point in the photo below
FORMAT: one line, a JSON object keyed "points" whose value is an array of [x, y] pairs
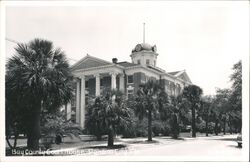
{"points": [[121, 82], [175, 89], [82, 109], [97, 85], [182, 87], [78, 101], [113, 81], [68, 111]]}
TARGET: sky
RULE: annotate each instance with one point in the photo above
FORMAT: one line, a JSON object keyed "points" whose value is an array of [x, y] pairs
{"points": [[204, 38]]}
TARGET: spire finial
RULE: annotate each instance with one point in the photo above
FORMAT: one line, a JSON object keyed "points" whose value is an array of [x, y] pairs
{"points": [[144, 32]]}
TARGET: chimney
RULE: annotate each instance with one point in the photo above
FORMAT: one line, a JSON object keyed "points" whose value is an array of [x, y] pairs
{"points": [[114, 60]]}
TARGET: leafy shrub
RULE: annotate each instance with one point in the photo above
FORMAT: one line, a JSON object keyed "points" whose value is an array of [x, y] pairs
{"points": [[201, 127], [166, 129], [55, 125], [157, 127], [137, 128], [211, 126]]}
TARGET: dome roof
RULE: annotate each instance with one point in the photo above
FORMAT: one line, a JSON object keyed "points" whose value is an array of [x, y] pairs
{"points": [[144, 47]]}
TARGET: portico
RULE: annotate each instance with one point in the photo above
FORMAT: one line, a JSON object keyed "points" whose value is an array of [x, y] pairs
{"points": [[116, 81]]}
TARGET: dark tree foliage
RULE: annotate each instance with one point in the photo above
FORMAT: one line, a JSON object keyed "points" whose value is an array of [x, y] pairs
{"points": [[221, 108], [107, 114], [176, 108], [205, 112], [193, 95], [56, 126], [37, 78], [236, 79], [224, 109], [147, 103], [235, 114]]}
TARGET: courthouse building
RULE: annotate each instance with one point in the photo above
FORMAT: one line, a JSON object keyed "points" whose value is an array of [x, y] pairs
{"points": [[93, 76]]}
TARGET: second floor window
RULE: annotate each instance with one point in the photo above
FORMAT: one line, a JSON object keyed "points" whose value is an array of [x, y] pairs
{"points": [[138, 61], [147, 61]]}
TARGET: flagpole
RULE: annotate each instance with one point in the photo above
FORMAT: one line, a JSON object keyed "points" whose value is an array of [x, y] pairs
{"points": [[143, 32]]}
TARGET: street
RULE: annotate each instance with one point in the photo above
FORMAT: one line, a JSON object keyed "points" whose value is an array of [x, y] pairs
{"points": [[201, 146], [212, 146]]}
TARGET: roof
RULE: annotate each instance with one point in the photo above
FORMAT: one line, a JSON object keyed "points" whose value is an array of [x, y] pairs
{"points": [[174, 72], [126, 64], [156, 69], [181, 75], [89, 62]]}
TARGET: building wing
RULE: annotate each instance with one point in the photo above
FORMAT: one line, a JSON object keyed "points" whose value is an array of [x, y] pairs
{"points": [[181, 75]]}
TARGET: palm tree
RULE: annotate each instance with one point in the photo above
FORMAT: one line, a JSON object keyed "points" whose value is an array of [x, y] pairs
{"points": [[110, 113], [193, 94], [147, 102], [206, 110], [94, 118], [176, 105], [39, 75], [222, 107]]}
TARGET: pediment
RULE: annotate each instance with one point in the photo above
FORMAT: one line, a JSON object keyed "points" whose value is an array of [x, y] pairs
{"points": [[184, 76], [89, 62]]}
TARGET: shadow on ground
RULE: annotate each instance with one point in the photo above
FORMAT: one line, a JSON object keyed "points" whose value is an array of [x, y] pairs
{"points": [[106, 147], [224, 139], [234, 146], [142, 142]]}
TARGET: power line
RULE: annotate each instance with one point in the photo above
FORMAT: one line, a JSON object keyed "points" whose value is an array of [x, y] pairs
{"points": [[16, 42]]}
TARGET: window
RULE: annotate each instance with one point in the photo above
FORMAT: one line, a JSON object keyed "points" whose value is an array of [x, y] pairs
{"points": [[101, 82], [143, 78], [154, 62], [147, 62], [86, 84], [130, 79], [138, 61]]}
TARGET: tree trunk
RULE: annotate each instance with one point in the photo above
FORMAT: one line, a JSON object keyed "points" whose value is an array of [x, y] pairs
{"points": [[15, 141], [224, 129], [99, 134], [34, 133], [193, 122], [216, 128], [149, 125], [206, 126], [111, 137], [175, 126]]}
